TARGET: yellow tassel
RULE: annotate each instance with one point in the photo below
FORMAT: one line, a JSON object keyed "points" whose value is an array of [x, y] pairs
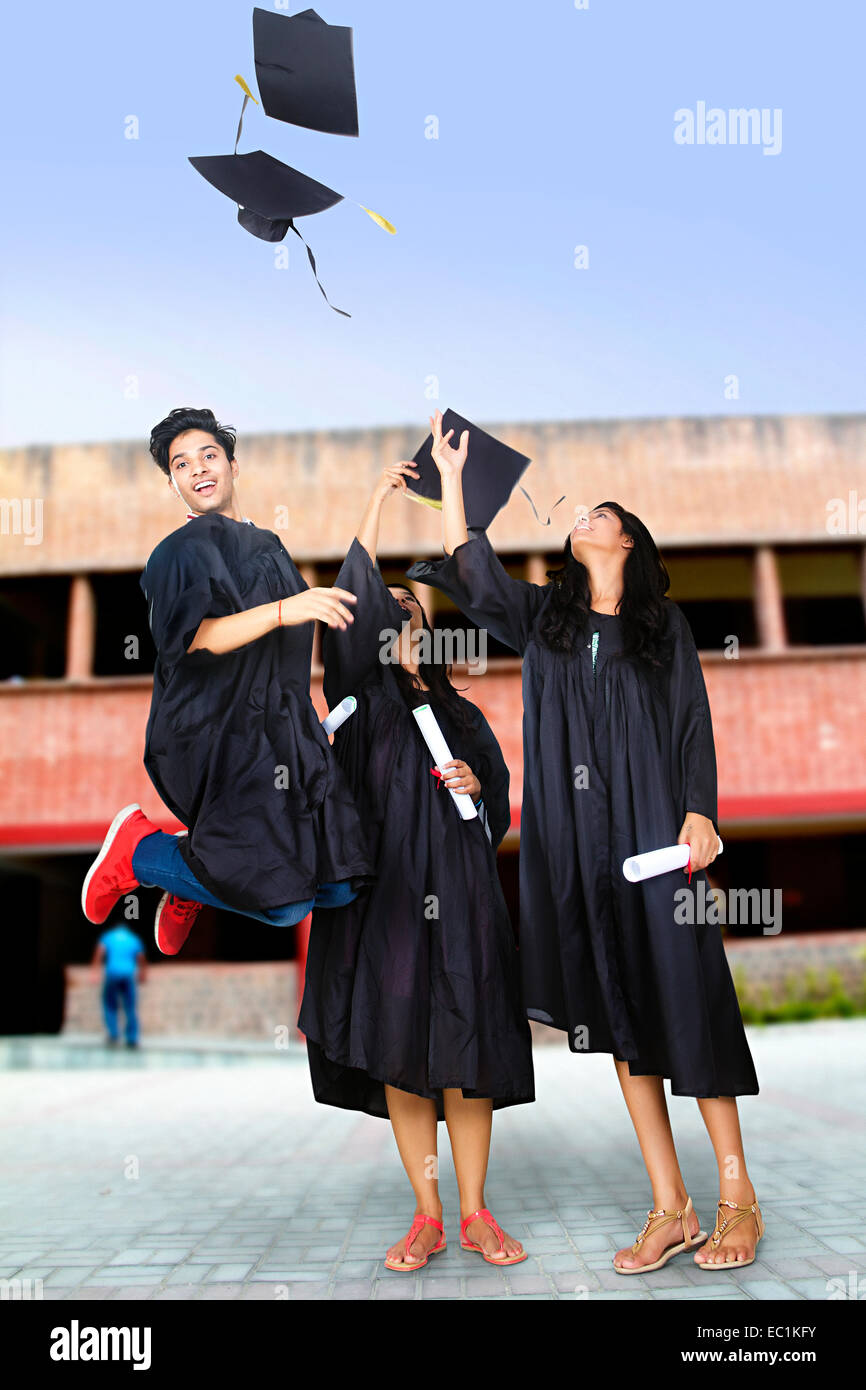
{"points": [[426, 501], [383, 222], [244, 88]]}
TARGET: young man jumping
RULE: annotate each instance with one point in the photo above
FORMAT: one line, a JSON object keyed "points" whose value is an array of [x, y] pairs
{"points": [[233, 745]]}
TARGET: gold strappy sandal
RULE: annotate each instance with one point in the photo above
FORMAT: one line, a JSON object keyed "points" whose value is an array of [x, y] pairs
{"points": [[724, 1225], [654, 1221]]}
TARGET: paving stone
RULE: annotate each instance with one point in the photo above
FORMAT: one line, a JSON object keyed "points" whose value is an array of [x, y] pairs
{"points": [[712, 1291], [72, 1274], [844, 1244], [228, 1274], [486, 1286], [575, 1283], [529, 1283], [187, 1274], [143, 1274], [562, 1262], [811, 1288], [772, 1288], [97, 1293], [355, 1289], [618, 1295], [442, 1287], [277, 1197], [133, 1293], [131, 1257], [403, 1292], [589, 1244], [836, 1264], [792, 1269]]}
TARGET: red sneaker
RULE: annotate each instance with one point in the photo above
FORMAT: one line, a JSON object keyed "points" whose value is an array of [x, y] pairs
{"points": [[111, 874], [175, 918]]}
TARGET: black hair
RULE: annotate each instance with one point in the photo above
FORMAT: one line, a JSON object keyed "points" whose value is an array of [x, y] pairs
{"points": [[436, 675], [642, 608], [184, 418]]}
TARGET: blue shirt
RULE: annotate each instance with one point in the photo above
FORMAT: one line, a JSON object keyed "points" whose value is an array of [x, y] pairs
{"points": [[121, 948]]}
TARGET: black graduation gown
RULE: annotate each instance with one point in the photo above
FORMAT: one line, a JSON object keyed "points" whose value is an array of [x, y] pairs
{"points": [[234, 745], [397, 990], [605, 959]]}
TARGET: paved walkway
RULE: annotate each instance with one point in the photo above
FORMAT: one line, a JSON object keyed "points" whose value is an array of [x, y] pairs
{"points": [[227, 1181]]}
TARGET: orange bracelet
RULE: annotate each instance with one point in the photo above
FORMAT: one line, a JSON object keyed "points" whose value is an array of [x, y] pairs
{"points": [[280, 613]]}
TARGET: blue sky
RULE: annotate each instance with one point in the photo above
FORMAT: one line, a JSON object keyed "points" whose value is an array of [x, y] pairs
{"points": [[128, 287]]}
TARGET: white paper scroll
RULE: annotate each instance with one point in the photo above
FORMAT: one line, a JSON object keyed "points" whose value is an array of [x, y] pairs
{"points": [[441, 754], [339, 714], [657, 861]]}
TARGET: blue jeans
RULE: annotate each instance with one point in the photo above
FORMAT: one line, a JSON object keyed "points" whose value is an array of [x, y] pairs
{"points": [[117, 989], [158, 862]]}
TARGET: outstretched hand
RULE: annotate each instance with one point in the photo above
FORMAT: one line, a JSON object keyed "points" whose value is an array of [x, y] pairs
{"points": [[447, 459], [325, 605]]}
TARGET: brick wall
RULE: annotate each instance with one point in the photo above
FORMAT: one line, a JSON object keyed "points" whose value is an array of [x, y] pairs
{"points": [[207, 1001], [785, 726], [693, 481], [252, 1001]]}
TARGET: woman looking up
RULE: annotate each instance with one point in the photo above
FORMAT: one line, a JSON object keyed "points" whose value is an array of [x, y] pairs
{"points": [[618, 759], [412, 1007]]}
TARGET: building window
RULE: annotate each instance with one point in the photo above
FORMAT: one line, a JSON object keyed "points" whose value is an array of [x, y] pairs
{"points": [[715, 590], [123, 644], [822, 595], [33, 615]]}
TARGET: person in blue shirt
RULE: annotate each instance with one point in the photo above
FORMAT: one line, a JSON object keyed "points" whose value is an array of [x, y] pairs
{"points": [[121, 953]]}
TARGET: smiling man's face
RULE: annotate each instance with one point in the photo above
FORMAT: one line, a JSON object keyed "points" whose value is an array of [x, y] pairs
{"points": [[201, 472]]}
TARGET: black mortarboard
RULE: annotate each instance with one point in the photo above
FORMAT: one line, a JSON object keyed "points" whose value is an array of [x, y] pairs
{"points": [[306, 71], [489, 475], [269, 194]]}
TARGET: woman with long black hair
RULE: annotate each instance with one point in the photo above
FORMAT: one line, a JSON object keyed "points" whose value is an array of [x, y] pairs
{"points": [[618, 759], [412, 1007]]}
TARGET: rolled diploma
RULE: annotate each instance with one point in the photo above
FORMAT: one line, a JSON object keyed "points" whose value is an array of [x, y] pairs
{"points": [[657, 861], [441, 754], [339, 714]]}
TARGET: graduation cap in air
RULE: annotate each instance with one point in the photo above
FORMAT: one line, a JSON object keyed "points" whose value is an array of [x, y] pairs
{"points": [[269, 194], [306, 71], [306, 77], [491, 471]]}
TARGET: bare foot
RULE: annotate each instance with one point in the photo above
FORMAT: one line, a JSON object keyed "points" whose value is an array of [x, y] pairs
{"points": [[735, 1247], [481, 1234], [423, 1243], [655, 1244]]}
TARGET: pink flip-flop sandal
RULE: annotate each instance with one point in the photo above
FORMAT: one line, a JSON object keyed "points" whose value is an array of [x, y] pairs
{"points": [[466, 1244], [414, 1231]]}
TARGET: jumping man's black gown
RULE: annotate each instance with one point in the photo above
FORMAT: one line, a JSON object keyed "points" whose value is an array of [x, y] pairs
{"points": [[613, 760], [234, 745], [416, 983]]}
